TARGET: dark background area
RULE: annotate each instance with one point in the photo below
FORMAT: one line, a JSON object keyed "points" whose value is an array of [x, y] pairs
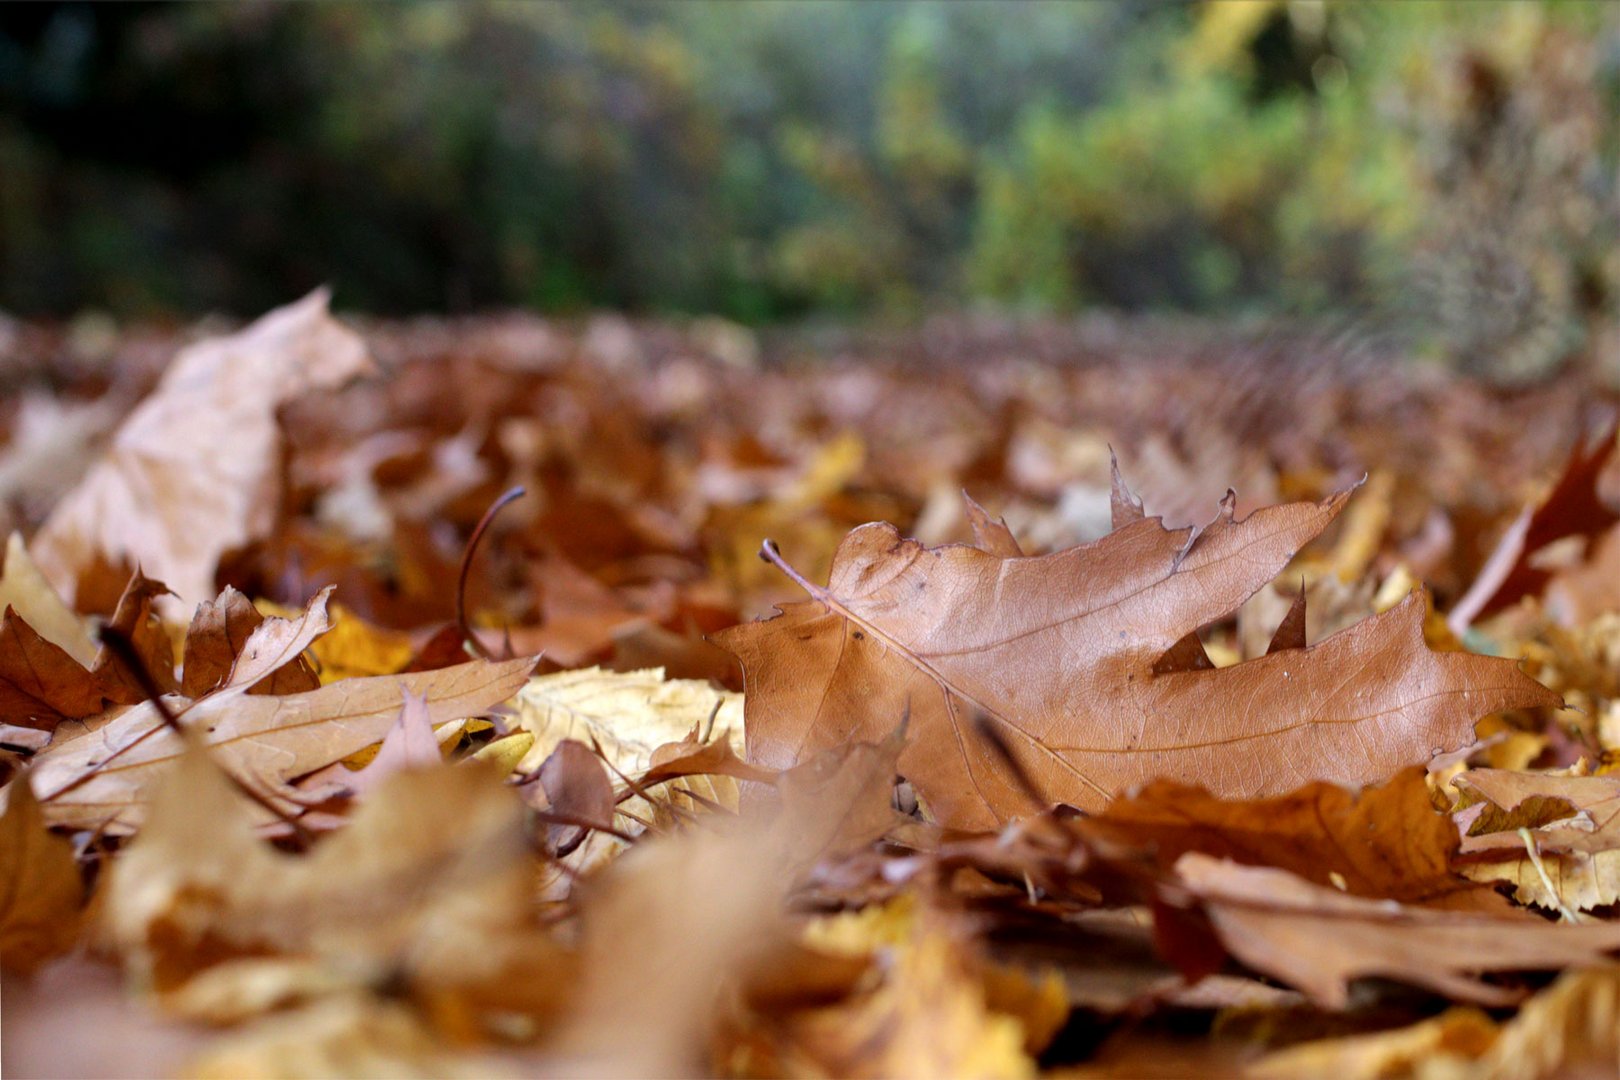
{"points": [[1448, 169]]}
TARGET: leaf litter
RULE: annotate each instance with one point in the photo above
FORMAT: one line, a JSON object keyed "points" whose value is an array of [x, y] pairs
{"points": [[1084, 783]]}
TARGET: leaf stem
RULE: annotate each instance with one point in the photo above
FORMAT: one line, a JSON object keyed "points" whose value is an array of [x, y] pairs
{"points": [[510, 496]]}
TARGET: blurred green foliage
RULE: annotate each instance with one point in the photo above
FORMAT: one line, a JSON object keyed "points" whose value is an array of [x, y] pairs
{"points": [[1452, 164]]}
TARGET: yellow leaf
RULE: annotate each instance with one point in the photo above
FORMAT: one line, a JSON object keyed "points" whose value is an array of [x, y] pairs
{"points": [[40, 888], [348, 1036], [627, 715], [354, 648], [1440, 1047], [25, 589], [941, 1010]]}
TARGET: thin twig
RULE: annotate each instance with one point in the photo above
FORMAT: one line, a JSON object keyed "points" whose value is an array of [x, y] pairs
{"points": [[1564, 911], [466, 567]]}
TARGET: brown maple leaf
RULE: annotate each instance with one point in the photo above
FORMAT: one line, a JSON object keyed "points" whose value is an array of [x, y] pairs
{"points": [[1086, 664]]}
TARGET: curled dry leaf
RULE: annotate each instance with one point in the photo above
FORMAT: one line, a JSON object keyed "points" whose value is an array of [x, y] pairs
{"points": [[1065, 655], [193, 472], [576, 785], [1572, 507], [41, 685], [135, 619], [219, 634], [1318, 939]]}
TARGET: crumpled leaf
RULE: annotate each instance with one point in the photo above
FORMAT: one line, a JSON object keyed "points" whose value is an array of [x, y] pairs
{"points": [[627, 714], [1388, 841], [40, 888], [101, 778], [194, 470], [638, 721], [218, 634], [1318, 939], [135, 618], [40, 683], [1572, 821], [1063, 654]]}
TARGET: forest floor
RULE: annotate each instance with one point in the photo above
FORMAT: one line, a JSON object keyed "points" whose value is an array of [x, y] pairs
{"points": [[1130, 700]]}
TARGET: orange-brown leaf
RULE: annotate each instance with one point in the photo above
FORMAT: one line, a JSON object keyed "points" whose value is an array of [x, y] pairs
{"points": [[1058, 653]]}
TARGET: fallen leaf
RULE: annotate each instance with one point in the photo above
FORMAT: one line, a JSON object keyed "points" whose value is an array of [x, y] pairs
{"points": [[101, 778], [40, 684], [664, 928], [1577, 813], [931, 1015], [218, 635], [354, 648], [1572, 823], [576, 785], [1446, 1045], [24, 589], [135, 619], [352, 1035], [40, 888], [429, 884], [194, 471], [1387, 841], [1570, 1029], [1318, 939], [1571, 508], [628, 715], [1062, 654]]}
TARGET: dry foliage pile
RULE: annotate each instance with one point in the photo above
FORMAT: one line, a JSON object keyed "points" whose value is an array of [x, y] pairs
{"points": [[323, 757]]}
